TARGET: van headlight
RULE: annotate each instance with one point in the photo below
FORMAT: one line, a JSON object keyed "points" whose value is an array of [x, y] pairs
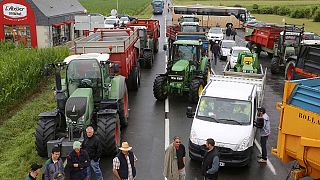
{"points": [[244, 144], [193, 137]]}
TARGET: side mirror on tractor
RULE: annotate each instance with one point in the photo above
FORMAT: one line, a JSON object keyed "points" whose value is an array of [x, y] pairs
{"points": [[190, 113], [165, 47], [116, 68]]}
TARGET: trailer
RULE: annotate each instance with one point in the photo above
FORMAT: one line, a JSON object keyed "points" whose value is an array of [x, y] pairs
{"points": [[120, 44], [306, 64], [149, 34], [299, 127]]}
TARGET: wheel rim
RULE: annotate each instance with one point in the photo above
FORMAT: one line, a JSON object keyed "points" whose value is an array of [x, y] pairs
{"points": [[289, 72], [200, 90], [116, 133]]}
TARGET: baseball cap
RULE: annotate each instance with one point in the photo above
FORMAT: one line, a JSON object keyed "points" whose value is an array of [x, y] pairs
{"points": [[76, 145], [35, 166]]}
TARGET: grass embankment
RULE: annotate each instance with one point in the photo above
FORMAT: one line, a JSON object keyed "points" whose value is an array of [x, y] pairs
{"points": [[138, 8]]}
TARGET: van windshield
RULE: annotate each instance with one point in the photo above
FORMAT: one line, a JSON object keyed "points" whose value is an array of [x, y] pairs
{"points": [[227, 111]]}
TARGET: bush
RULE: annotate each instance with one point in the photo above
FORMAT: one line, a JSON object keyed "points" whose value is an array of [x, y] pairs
{"points": [[298, 13], [313, 10], [275, 9], [255, 6], [283, 11], [316, 16], [266, 10], [20, 71]]}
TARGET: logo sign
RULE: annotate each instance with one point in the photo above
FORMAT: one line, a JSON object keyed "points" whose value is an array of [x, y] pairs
{"points": [[14, 10]]}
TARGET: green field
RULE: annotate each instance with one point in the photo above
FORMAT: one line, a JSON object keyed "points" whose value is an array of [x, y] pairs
{"points": [[138, 8]]}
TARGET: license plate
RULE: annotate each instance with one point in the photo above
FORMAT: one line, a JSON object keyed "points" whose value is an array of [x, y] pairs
{"points": [[222, 164]]}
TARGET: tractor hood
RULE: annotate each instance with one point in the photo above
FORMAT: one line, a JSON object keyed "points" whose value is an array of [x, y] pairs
{"points": [[78, 104], [180, 65]]}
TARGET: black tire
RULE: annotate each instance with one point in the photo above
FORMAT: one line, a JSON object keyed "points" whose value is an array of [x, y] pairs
{"points": [[289, 71], [194, 92], [108, 130], [156, 46], [134, 79], [123, 109], [275, 65], [148, 59], [45, 131], [159, 88]]}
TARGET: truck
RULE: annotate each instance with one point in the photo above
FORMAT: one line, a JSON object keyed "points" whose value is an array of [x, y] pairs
{"points": [[299, 127], [120, 45], [227, 115], [90, 92], [149, 34], [306, 64], [280, 42]]}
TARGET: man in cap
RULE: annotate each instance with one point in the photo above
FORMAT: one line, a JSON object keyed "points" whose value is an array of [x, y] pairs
{"points": [[34, 171], [124, 163], [78, 161], [264, 134]]}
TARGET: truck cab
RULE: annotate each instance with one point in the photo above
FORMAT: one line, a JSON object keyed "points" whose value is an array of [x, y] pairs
{"points": [[226, 115]]}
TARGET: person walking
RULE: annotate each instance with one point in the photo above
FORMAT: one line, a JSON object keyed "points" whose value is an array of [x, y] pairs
{"points": [[78, 161], [215, 50], [175, 160], [228, 31], [92, 145], [53, 168], [34, 171], [234, 33], [264, 134], [124, 163], [210, 163]]}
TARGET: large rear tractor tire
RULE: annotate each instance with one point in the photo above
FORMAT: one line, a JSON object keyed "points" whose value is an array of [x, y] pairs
{"points": [[275, 65], [134, 79], [196, 87], [123, 109], [289, 72], [148, 59], [159, 88], [109, 133], [156, 46], [45, 131]]}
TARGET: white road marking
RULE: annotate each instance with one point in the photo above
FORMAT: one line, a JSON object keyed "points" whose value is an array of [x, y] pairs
{"points": [[269, 164]]}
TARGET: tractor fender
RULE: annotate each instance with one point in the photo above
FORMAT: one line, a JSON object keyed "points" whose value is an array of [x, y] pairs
{"points": [[118, 87], [53, 113]]}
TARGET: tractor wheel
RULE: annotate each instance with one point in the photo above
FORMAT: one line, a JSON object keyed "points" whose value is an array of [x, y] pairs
{"points": [[108, 131], [159, 88], [134, 78], [275, 65], [195, 91], [156, 47], [45, 131], [148, 59], [289, 72], [207, 72], [123, 109]]}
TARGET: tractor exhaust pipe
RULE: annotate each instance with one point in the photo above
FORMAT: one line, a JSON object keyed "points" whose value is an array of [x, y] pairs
{"points": [[60, 96]]}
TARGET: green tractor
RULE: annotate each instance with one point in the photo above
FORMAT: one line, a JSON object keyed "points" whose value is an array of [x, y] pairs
{"points": [[248, 63], [90, 94], [188, 70]]}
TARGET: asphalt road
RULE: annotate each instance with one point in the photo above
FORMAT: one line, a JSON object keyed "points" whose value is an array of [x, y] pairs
{"points": [[146, 129]]}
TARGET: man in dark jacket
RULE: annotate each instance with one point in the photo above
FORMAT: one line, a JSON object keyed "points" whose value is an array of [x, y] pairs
{"points": [[210, 163], [92, 145], [124, 163], [78, 161], [215, 50], [34, 171], [53, 168], [228, 31]]}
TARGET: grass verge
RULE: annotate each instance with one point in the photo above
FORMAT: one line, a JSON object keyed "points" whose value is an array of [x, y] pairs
{"points": [[17, 147]]}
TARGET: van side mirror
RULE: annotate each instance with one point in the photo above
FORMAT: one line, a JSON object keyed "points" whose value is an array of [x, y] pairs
{"points": [[116, 68], [259, 122], [190, 113], [165, 47]]}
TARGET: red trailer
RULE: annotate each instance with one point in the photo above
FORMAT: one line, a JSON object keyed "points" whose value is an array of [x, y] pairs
{"points": [[262, 37], [120, 44]]}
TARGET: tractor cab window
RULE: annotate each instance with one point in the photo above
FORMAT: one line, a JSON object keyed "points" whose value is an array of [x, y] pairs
{"points": [[190, 28], [186, 52], [291, 40]]}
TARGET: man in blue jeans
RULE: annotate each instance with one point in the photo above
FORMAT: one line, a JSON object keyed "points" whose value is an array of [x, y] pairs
{"points": [[264, 133], [92, 145]]}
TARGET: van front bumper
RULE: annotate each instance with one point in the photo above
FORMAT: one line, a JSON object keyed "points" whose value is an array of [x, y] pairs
{"points": [[227, 156]]}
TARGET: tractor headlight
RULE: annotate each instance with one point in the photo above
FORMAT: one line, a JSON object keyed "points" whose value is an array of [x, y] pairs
{"points": [[81, 120], [69, 121], [173, 78], [179, 78]]}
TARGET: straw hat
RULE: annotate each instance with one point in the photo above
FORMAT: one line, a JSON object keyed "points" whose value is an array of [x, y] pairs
{"points": [[125, 146]]}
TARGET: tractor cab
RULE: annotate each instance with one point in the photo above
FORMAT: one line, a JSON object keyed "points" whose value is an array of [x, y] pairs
{"points": [[247, 62]]}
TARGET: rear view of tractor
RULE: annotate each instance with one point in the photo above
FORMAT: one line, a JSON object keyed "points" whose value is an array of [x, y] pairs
{"points": [[89, 94], [247, 63], [187, 71]]}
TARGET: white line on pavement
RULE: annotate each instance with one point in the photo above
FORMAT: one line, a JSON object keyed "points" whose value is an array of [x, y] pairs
{"points": [[272, 169]]}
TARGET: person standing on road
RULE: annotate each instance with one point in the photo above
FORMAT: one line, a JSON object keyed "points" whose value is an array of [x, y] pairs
{"points": [[124, 163], [92, 145], [53, 168], [264, 134], [34, 171], [234, 33], [215, 50], [210, 163], [175, 160], [228, 31], [78, 161]]}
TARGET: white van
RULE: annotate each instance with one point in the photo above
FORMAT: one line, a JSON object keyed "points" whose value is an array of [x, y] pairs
{"points": [[226, 112]]}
